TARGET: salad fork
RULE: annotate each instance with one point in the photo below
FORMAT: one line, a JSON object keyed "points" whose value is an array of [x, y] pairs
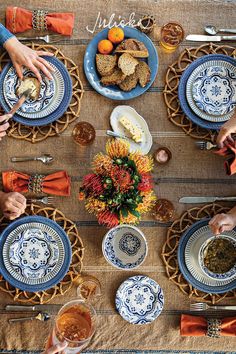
{"points": [[46, 158], [205, 145], [48, 38], [202, 306], [44, 200]]}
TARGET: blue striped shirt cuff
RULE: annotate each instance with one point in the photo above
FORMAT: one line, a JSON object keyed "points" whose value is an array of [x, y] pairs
{"points": [[4, 35]]}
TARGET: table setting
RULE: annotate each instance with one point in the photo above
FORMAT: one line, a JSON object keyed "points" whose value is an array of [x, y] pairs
{"points": [[118, 160]]}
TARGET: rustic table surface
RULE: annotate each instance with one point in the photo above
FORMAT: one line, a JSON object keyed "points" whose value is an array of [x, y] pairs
{"points": [[190, 172]]}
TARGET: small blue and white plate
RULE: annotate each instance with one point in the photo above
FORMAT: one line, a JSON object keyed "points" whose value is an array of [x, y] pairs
{"points": [[139, 300], [125, 247], [114, 92], [58, 103], [214, 89], [35, 253], [221, 276]]}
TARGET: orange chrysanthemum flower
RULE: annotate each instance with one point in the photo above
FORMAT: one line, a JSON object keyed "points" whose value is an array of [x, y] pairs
{"points": [[121, 178], [108, 218], [147, 203], [93, 184], [144, 163], [117, 148], [146, 182], [94, 205], [130, 219], [102, 164]]}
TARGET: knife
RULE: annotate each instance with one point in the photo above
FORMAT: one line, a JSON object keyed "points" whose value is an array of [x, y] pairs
{"points": [[18, 104], [25, 308], [196, 200], [203, 38]]}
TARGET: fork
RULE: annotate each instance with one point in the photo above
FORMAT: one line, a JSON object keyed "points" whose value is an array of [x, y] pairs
{"points": [[44, 200], [202, 306], [205, 145], [48, 39]]}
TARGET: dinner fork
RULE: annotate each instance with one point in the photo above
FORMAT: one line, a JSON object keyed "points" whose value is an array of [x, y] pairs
{"points": [[48, 38], [205, 145], [202, 306], [44, 200]]}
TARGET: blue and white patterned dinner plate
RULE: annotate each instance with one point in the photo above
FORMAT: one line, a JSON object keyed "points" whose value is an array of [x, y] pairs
{"points": [[182, 90], [214, 88], [125, 247], [57, 106], [114, 92], [35, 253], [139, 300], [195, 276], [195, 106]]}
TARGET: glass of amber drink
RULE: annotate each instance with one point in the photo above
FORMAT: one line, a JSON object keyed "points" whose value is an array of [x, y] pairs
{"points": [[172, 34], [75, 324], [83, 133], [89, 288]]}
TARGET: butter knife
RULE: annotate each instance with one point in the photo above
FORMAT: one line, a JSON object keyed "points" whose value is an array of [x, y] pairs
{"points": [[196, 200], [204, 38], [25, 308]]}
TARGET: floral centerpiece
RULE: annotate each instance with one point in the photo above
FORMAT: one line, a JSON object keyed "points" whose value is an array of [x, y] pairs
{"points": [[120, 188]]}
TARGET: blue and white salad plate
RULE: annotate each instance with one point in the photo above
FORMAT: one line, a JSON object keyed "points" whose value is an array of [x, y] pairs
{"points": [[182, 90], [214, 88], [139, 300], [54, 97], [189, 264], [196, 105], [125, 247], [35, 253], [114, 92]]}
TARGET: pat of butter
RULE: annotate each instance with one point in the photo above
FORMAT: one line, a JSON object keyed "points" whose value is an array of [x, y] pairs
{"points": [[135, 132]]}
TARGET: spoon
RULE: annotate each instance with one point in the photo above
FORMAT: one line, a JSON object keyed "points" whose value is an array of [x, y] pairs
{"points": [[212, 30], [41, 316], [46, 158]]}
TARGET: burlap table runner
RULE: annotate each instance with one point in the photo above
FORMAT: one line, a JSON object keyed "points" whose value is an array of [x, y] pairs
{"points": [[189, 172]]}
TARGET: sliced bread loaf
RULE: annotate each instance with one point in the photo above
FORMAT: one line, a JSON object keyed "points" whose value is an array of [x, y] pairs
{"points": [[136, 48], [143, 73], [127, 63], [114, 79], [129, 82], [106, 64]]}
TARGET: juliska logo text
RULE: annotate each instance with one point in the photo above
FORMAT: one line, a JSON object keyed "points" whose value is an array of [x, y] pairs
{"points": [[103, 23]]}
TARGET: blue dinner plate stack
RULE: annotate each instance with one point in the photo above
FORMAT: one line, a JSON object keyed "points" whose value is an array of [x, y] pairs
{"points": [[114, 92], [207, 90], [189, 260], [54, 96]]}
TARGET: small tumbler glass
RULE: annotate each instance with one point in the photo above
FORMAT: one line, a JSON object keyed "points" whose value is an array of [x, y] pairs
{"points": [[172, 34], [83, 133]]}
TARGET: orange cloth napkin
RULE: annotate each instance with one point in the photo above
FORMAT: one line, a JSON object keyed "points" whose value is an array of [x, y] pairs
{"points": [[197, 326], [57, 183], [229, 151], [20, 20]]}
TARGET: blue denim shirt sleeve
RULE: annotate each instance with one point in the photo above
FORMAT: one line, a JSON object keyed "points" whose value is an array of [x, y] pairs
{"points": [[4, 35]]}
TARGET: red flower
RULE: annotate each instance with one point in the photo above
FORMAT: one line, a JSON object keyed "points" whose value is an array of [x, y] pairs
{"points": [[108, 218], [146, 183], [121, 178], [93, 184]]}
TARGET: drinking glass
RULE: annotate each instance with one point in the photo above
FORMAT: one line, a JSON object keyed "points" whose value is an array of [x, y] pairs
{"points": [[172, 34], [89, 288], [75, 324], [83, 133]]}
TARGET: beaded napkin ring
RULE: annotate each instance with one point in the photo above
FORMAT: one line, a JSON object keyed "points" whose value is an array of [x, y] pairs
{"points": [[39, 20], [35, 184], [213, 328]]}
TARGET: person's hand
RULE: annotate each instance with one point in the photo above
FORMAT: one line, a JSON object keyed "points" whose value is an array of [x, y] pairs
{"points": [[222, 222], [226, 130], [56, 348], [22, 55], [12, 204], [5, 126]]}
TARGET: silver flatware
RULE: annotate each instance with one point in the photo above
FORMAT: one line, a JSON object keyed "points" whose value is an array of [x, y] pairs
{"points": [[196, 200], [117, 135], [31, 308], [44, 200], [202, 306], [46, 158], [48, 38], [205, 145], [212, 30], [203, 38], [41, 316]]}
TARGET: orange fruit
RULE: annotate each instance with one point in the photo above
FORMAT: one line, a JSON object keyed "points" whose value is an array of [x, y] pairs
{"points": [[105, 46], [116, 35]]}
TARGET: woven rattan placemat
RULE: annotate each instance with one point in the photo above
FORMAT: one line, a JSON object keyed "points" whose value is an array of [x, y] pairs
{"points": [[74, 272], [37, 134], [169, 252], [172, 78]]}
